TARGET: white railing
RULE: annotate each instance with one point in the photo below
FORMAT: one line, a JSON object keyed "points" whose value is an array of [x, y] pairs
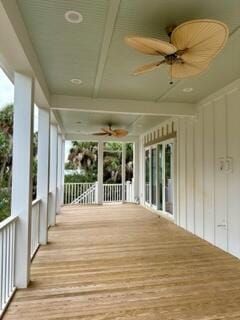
{"points": [[129, 191], [86, 193], [35, 226], [112, 192], [74, 190], [7, 261], [87, 197]]}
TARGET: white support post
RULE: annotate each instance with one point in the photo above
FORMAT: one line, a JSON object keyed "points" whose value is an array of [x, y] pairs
{"points": [[43, 171], [123, 170], [22, 175], [137, 170], [140, 155], [100, 173], [53, 175], [158, 179], [63, 169], [59, 172]]}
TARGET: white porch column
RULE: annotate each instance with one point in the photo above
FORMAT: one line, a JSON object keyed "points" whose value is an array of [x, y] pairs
{"points": [[22, 175], [100, 173], [59, 172], [43, 171], [123, 170], [141, 173], [137, 170], [53, 175], [63, 168]]}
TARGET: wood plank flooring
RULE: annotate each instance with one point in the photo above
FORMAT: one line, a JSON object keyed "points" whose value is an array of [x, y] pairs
{"points": [[123, 262]]}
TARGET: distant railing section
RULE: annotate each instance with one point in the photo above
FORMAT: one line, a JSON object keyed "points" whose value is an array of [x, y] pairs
{"points": [[74, 190], [35, 226], [87, 193], [129, 191], [7, 261], [112, 192], [87, 197]]}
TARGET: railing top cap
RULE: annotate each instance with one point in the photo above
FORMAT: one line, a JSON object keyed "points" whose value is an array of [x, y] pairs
{"points": [[35, 202], [7, 221]]}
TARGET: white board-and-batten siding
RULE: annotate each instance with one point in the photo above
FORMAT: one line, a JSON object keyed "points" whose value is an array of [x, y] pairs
{"points": [[208, 170]]}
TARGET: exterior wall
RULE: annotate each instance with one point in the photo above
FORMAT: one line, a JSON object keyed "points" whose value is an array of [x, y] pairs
{"points": [[217, 187], [208, 170]]}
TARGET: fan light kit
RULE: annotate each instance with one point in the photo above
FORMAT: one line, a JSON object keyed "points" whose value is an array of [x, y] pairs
{"points": [[118, 133], [73, 16], [191, 48], [76, 81]]}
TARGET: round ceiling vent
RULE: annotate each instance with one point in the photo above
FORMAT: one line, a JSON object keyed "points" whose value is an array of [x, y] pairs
{"points": [[73, 16], [76, 81], [187, 90]]}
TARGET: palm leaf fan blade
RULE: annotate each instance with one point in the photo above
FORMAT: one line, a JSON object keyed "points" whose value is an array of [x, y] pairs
{"points": [[120, 132], [200, 40], [100, 134], [151, 46], [148, 67], [187, 70]]}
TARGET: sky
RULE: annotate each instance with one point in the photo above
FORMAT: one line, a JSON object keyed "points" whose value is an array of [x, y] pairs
{"points": [[7, 95], [6, 90]]}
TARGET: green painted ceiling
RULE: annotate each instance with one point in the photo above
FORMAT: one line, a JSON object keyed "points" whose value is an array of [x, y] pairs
{"points": [[88, 122], [69, 51]]}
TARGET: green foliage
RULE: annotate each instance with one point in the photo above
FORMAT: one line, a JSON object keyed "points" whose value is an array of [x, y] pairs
{"points": [[83, 156], [5, 203], [6, 132], [86, 177], [6, 128]]}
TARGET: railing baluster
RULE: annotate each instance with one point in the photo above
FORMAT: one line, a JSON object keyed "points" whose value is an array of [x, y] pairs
{"points": [[7, 260], [1, 270], [13, 254]]}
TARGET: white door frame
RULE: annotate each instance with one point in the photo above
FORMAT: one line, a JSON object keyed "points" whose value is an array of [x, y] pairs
{"points": [[174, 175]]}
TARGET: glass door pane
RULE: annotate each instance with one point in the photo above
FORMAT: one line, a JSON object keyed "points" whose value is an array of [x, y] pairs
{"points": [[169, 178], [154, 176], [160, 177], [147, 176]]}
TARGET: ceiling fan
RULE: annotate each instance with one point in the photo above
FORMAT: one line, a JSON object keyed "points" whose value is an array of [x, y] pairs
{"points": [[118, 133], [192, 46]]}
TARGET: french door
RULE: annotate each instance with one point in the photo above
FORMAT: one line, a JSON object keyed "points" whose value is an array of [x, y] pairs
{"points": [[159, 176]]}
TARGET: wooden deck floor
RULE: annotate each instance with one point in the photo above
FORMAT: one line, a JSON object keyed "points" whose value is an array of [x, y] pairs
{"points": [[123, 262]]}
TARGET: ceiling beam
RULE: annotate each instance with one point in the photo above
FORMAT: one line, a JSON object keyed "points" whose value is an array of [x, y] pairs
{"points": [[90, 137], [76, 103], [18, 52], [58, 120], [108, 32]]}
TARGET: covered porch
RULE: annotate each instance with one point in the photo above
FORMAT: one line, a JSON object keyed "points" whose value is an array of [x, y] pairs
{"points": [[124, 262], [169, 248]]}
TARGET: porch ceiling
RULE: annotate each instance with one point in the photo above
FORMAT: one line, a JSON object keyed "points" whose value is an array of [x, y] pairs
{"points": [[94, 50], [85, 123]]}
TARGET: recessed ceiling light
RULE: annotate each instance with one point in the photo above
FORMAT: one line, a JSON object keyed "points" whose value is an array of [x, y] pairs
{"points": [[187, 90], [73, 16], [76, 81]]}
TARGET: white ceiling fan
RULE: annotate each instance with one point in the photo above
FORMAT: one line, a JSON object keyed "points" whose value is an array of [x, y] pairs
{"points": [[192, 46]]}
